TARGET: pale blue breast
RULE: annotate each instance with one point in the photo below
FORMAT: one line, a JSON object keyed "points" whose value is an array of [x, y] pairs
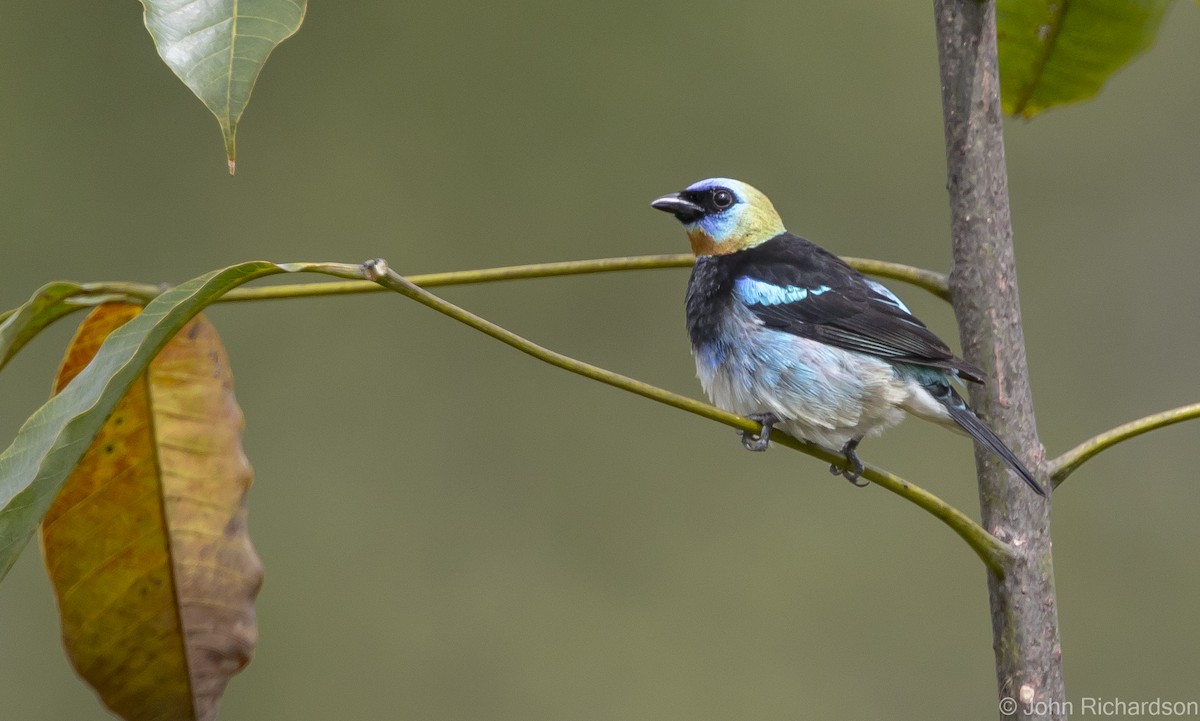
{"points": [[753, 369]]}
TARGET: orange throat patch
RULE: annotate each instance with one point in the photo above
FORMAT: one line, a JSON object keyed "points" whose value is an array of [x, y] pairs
{"points": [[702, 243]]}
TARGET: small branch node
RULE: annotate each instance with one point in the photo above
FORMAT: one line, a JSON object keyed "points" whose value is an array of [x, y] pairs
{"points": [[375, 269]]}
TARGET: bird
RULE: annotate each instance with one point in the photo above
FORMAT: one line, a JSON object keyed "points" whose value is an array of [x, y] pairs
{"points": [[787, 334]]}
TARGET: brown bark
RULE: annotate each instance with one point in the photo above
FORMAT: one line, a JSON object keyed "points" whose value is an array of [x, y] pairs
{"points": [[983, 284]]}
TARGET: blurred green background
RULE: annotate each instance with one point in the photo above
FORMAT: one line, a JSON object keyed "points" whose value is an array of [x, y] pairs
{"points": [[452, 530]]}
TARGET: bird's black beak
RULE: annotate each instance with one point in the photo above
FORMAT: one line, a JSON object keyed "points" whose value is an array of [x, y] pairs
{"points": [[682, 208]]}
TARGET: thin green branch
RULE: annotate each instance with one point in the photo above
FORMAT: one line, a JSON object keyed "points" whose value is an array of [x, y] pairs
{"points": [[928, 280], [1069, 462], [466, 277], [993, 552], [936, 283]]}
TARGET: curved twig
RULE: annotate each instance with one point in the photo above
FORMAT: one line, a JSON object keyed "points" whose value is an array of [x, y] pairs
{"points": [[992, 551], [1067, 463]]}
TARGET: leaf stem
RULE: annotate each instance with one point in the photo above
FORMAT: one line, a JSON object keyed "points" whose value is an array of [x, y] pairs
{"points": [[1069, 462]]}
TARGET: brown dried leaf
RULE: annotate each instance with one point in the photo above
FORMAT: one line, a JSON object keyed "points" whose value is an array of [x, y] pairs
{"points": [[146, 545]]}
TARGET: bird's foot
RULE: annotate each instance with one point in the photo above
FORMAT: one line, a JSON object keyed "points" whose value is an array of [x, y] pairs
{"points": [[854, 465], [759, 441]]}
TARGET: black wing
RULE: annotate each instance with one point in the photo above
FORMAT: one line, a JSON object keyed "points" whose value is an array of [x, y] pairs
{"points": [[796, 286]]}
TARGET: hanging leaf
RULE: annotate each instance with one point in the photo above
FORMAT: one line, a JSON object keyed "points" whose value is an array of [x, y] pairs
{"points": [[47, 447], [1054, 52], [218, 48], [146, 544]]}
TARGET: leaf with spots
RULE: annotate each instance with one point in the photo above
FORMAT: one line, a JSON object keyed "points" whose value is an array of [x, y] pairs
{"points": [[218, 48], [146, 544], [1054, 52]]}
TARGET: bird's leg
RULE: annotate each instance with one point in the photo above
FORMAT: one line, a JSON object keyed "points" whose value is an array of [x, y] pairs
{"points": [[854, 465], [759, 441]]}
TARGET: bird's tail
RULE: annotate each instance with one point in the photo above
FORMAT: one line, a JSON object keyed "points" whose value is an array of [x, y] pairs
{"points": [[966, 419]]}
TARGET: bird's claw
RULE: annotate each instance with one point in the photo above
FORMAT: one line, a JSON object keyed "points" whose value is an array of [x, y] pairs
{"points": [[854, 465], [759, 441]]}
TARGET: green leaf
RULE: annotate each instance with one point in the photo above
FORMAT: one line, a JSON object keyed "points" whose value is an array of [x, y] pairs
{"points": [[51, 442], [43, 308], [1054, 52], [218, 48]]}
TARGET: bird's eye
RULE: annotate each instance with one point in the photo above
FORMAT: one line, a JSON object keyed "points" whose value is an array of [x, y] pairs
{"points": [[722, 198]]}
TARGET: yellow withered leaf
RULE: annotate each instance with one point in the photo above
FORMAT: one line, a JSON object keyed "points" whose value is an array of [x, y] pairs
{"points": [[146, 545]]}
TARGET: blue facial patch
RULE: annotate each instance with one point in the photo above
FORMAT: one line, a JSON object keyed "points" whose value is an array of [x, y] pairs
{"points": [[757, 292], [727, 224], [722, 226]]}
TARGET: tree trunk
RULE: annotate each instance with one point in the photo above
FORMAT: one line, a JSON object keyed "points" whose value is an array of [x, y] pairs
{"points": [[983, 283]]}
